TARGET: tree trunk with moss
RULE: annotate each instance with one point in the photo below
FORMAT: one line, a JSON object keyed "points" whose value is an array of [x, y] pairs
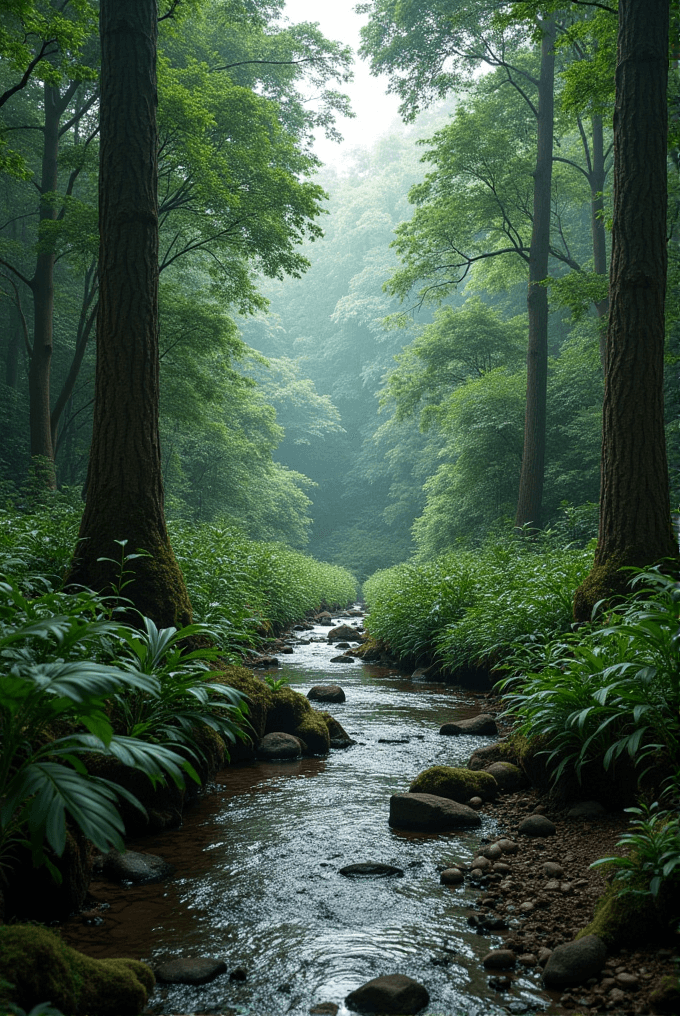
{"points": [[124, 487], [635, 519]]}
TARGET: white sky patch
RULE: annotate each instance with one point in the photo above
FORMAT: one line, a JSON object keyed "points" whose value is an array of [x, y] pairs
{"points": [[376, 112]]}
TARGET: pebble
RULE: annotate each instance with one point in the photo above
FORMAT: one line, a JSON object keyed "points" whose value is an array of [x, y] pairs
{"points": [[499, 959], [508, 846], [451, 876], [544, 955], [475, 803], [527, 960], [483, 863], [501, 868], [527, 907], [552, 869], [628, 981], [552, 885], [492, 852]]}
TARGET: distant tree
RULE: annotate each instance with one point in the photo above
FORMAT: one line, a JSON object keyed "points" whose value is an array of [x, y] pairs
{"points": [[124, 487], [635, 520]]}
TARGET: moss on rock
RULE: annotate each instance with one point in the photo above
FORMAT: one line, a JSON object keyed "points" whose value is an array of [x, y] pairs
{"points": [[40, 966], [313, 730], [623, 920], [456, 784]]}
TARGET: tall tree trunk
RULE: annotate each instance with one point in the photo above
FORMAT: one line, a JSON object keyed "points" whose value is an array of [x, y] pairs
{"points": [[125, 489], [635, 519], [42, 286], [533, 456], [596, 180]]}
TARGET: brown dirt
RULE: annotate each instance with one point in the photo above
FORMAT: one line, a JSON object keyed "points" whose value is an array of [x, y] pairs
{"points": [[559, 915]]}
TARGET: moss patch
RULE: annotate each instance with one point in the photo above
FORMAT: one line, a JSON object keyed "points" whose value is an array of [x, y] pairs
{"points": [[40, 967], [623, 921], [456, 784], [314, 732]]}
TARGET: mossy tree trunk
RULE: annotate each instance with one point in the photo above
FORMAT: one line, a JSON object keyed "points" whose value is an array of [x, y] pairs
{"points": [[635, 520], [124, 498]]}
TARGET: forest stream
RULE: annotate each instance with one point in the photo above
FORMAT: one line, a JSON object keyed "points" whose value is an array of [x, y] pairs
{"points": [[256, 868]]}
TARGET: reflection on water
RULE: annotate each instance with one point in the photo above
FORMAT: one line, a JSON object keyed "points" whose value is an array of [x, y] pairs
{"points": [[256, 868]]}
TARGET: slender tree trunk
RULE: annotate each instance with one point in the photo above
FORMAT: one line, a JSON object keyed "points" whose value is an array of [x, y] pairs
{"points": [[635, 519], [125, 489], [597, 179], [533, 456], [42, 286]]}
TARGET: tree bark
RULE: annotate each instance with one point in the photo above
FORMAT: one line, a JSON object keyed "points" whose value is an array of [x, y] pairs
{"points": [[596, 179], [125, 489], [530, 497], [635, 519]]}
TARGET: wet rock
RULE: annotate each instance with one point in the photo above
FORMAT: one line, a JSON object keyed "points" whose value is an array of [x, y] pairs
{"points": [[451, 876], [552, 869], [500, 983], [537, 825], [629, 982], [494, 852], [133, 866], [370, 869], [190, 970], [326, 693], [238, 974], [508, 846], [527, 960], [278, 745], [342, 645], [500, 751], [457, 784], [339, 738], [586, 809], [482, 863], [264, 662], [345, 658], [475, 802], [324, 1009], [287, 650], [393, 740], [391, 994], [481, 724], [343, 631], [429, 813], [499, 959], [574, 962], [508, 777]]}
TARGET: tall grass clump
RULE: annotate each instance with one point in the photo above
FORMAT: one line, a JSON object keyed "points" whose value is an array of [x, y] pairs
{"points": [[468, 608]]}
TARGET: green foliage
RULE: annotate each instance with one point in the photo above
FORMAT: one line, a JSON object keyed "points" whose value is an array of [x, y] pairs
{"points": [[599, 695], [467, 608], [653, 852]]}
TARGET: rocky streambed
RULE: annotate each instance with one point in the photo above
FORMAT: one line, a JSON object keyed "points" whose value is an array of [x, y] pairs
{"points": [[265, 907]]}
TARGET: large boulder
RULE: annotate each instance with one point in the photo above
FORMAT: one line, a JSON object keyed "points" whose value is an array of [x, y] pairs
{"points": [[575, 962], [481, 724], [344, 631], [456, 784], [39, 966], [279, 745], [393, 993], [429, 813], [326, 693]]}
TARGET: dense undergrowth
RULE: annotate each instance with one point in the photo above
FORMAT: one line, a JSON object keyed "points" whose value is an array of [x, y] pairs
{"points": [[468, 608]]}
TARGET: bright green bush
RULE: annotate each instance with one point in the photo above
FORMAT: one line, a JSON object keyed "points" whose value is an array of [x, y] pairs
{"points": [[470, 607], [599, 694]]}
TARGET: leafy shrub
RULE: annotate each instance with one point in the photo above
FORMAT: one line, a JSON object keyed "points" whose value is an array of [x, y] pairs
{"points": [[469, 607], [653, 842], [600, 694]]}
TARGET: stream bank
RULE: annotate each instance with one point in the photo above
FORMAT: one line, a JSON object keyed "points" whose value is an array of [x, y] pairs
{"points": [[257, 872]]}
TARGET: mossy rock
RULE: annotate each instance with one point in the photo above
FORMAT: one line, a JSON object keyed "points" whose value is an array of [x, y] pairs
{"points": [[501, 751], [314, 732], [41, 967], [624, 921], [287, 712], [259, 696], [665, 998], [456, 784]]}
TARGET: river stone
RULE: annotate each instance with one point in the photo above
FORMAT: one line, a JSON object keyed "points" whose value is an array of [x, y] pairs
{"points": [[133, 866], [507, 846], [190, 970], [481, 724], [345, 658], [586, 809], [507, 776], [499, 959], [343, 631], [457, 784], [451, 876], [537, 825], [481, 863], [324, 1009], [430, 813], [391, 994], [574, 962], [279, 745], [552, 869], [339, 738], [494, 852], [370, 869], [326, 693]]}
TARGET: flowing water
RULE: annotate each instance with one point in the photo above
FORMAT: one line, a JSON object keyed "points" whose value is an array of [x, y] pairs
{"points": [[256, 877]]}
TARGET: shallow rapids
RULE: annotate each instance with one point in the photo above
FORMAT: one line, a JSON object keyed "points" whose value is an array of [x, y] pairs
{"points": [[257, 868]]}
